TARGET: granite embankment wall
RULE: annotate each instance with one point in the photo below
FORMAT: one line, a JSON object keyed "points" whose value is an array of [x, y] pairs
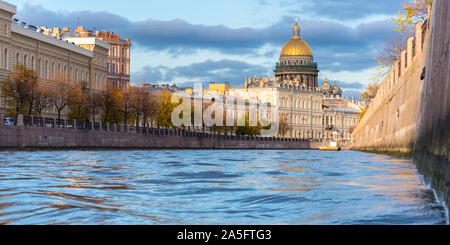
{"points": [[432, 144], [30, 137], [390, 122]]}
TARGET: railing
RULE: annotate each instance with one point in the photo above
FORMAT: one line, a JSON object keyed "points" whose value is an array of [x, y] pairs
{"points": [[29, 121]]}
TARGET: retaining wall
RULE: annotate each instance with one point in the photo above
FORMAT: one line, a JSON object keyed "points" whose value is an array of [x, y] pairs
{"points": [[390, 122], [22, 137], [432, 144]]}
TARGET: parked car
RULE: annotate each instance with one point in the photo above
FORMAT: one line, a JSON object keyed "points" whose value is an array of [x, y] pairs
{"points": [[9, 121]]}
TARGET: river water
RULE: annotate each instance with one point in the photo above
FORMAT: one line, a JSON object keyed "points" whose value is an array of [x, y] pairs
{"points": [[213, 187]]}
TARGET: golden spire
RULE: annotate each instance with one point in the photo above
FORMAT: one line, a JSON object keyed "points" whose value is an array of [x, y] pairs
{"points": [[296, 30], [296, 46], [326, 81]]}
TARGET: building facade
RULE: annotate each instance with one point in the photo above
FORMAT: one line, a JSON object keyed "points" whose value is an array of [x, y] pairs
{"points": [[53, 59], [309, 111], [118, 57], [297, 62]]}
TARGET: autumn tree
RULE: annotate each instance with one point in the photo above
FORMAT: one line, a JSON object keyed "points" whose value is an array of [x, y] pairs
{"points": [[149, 106], [112, 106], [41, 100], [94, 103], [283, 126], [362, 113], [136, 104], [390, 53], [76, 101], [412, 13], [246, 128], [59, 97], [370, 92], [164, 110], [18, 89], [126, 104]]}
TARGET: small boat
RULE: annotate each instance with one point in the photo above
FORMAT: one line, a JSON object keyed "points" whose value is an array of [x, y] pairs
{"points": [[332, 147]]}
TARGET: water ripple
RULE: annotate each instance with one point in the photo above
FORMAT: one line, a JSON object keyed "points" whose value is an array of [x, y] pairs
{"points": [[212, 187]]}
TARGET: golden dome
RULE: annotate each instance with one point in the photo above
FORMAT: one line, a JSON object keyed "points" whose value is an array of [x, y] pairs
{"points": [[326, 82], [296, 47]]}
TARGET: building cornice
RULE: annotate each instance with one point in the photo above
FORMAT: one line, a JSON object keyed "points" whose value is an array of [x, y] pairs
{"points": [[50, 40], [8, 7], [89, 41]]}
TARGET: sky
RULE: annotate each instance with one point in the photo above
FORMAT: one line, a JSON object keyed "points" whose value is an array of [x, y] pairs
{"points": [[182, 42]]}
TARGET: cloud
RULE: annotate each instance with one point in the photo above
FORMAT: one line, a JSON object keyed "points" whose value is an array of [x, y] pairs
{"points": [[337, 47], [225, 70], [343, 10], [328, 39], [351, 93]]}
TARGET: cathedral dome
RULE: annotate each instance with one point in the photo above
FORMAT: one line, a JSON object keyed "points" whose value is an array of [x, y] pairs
{"points": [[336, 90], [296, 46], [326, 87]]}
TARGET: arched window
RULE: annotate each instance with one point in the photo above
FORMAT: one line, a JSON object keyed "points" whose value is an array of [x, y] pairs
{"points": [[65, 73], [39, 67], [25, 60], [17, 58], [52, 72], [6, 59], [58, 75], [46, 69], [32, 62]]}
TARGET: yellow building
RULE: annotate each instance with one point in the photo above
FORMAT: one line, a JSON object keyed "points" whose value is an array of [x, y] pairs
{"points": [[217, 88], [52, 58]]}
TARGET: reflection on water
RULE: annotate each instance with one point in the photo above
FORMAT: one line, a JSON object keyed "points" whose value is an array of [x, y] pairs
{"points": [[212, 187]]}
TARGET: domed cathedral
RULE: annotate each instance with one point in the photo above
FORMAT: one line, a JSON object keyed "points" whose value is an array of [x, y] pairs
{"points": [[307, 111], [329, 91], [297, 62]]}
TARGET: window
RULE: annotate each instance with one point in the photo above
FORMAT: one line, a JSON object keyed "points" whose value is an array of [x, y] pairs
{"points": [[123, 52], [65, 73], [32, 62], [114, 68], [114, 51], [25, 60], [6, 59], [17, 58], [107, 67], [58, 75], [123, 69]]}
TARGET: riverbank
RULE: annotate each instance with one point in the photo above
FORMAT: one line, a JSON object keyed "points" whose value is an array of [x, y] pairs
{"points": [[30, 137]]}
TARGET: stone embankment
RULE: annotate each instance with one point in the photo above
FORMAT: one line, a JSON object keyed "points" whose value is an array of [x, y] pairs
{"points": [[390, 122], [80, 136], [411, 112], [432, 143]]}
